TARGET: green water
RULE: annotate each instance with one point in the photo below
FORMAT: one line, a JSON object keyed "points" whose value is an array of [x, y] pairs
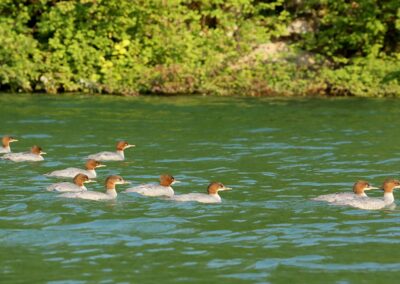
{"points": [[275, 153]]}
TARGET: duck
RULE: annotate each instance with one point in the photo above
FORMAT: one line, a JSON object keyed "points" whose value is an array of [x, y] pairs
{"points": [[112, 156], [212, 195], [5, 148], [90, 171], [34, 155], [76, 186], [359, 189], [110, 193], [162, 189], [389, 185]]}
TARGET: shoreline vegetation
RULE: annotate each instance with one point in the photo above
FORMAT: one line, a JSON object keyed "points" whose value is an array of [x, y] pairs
{"points": [[211, 47]]}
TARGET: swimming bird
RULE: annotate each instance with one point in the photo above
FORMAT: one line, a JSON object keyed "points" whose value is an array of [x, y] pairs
{"points": [[212, 195], [34, 155], [389, 185], [359, 189], [76, 186], [112, 156], [162, 189], [110, 193], [6, 144], [90, 171]]}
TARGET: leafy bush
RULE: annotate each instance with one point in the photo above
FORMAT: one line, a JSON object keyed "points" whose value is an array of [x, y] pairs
{"points": [[366, 77], [189, 46]]}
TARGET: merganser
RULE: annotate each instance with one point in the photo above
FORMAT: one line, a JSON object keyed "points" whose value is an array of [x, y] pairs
{"points": [[162, 189], [34, 155], [358, 191], [112, 156], [211, 197], [6, 144], [110, 194], [375, 203], [90, 171], [76, 186]]}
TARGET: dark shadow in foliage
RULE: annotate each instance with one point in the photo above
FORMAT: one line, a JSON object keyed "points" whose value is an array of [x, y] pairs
{"points": [[392, 76]]}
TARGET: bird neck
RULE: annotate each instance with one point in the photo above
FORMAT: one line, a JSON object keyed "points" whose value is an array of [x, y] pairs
{"points": [[388, 197], [7, 148], [112, 192], [93, 172], [121, 153]]}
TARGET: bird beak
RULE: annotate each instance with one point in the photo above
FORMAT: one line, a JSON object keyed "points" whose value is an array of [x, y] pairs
{"points": [[176, 181], [397, 187], [100, 166], [129, 146], [90, 180], [13, 140], [227, 188], [126, 182], [371, 187], [42, 153]]}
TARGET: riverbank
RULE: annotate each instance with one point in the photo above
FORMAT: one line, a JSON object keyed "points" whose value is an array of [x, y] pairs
{"points": [[189, 47]]}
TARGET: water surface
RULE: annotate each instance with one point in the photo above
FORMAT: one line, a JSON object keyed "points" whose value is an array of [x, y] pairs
{"points": [[275, 153]]}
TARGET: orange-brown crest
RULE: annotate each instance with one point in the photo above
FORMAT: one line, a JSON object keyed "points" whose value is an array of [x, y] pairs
{"points": [[166, 180], [112, 180], [390, 184], [359, 186], [214, 187], [36, 150], [79, 179], [6, 140], [92, 164], [121, 145]]}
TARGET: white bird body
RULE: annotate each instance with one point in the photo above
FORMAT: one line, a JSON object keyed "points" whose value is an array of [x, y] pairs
{"points": [[71, 172], [364, 202], [369, 203], [110, 193], [108, 156], [199, 197], [76, 186], [152, 190], [66, 187], [91, 195], [212, 195], [336, 197], [34, 155], [359, 189], [112, 156], [162, 189], [90, 170], [23, 157]]}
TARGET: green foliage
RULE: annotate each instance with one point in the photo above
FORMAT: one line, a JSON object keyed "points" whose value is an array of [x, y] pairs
{"points": [[352, 28], [19, 57], [364, 78], [188, 46]]}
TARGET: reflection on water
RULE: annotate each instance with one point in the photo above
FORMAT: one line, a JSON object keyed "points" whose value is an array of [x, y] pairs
{"points": [[275, 153]]}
